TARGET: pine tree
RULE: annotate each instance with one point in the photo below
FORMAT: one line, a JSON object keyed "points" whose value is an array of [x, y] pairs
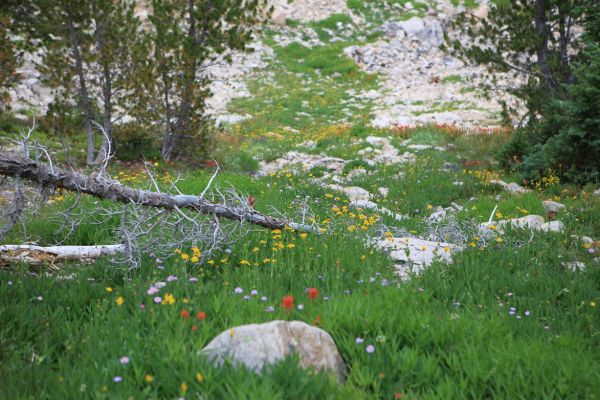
{"points": [[94, 51], [189, 35]]}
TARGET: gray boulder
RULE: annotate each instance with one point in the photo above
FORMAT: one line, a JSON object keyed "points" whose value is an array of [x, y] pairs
{"points": [[259, 345]]}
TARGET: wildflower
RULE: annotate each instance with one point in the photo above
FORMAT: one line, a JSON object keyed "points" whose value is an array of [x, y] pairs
{"points": [[527, 313], [303, 235], [152, 290], [384, 282], [185, 256], [142, 306], [246, 297], [148, 378], [313, 293], [264, 298], [370, 349], [300, 307], [185, 314], [201, 316], [171, 278], [288, 302], [238, 290], [592, 304], [183, 387], [193, 279], [199, 377], [109, 289], [117, 379], [157, 299], [244, 262], [160, 285], [194, 328], [124, 360], [270, 309], [326, 298], [119, 300], [211, 262], [359, 340], [254, 292], [194, 259], [169, 299]]}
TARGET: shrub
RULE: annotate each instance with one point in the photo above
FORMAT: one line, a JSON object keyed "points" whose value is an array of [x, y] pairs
{"points": [[134, 143]]}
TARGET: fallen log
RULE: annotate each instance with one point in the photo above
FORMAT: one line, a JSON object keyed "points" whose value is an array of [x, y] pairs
{"points": [[37, 255], [16, 165]]}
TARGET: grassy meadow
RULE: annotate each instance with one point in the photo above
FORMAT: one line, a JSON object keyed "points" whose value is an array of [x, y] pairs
{"points": [[506, 320]]}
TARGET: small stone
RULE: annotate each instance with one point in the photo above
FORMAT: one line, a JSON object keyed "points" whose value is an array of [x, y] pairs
{"points": [[553, 206], [552, 226], [383, 191], [575, 266]]}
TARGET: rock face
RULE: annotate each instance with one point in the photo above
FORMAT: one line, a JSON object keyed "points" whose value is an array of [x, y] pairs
{"points": [[258, 345], [307, 10]]}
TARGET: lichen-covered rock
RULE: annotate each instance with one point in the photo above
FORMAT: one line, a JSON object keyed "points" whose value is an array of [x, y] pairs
{"points": [[259, 345]]}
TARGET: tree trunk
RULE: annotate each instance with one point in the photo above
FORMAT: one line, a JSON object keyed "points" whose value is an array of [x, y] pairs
{"points": [[36, 255], [83, 93], [542, 51], [14, 164], [183, 122], [103, 153]]}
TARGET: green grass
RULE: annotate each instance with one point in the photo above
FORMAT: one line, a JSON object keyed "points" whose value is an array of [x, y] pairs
{"points": [[446, 334]]}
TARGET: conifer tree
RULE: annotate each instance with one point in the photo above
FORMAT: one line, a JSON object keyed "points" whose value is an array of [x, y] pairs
{"points": [[189, 35]]}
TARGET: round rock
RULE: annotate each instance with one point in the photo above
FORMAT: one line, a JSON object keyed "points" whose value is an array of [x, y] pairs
{"points": [[258, 345]]}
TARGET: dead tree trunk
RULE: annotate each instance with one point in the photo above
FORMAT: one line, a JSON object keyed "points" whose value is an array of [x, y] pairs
{"points": [[16, 165]]}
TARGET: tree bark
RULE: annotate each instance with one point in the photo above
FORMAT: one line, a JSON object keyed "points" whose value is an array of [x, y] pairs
{"points": [[83, 93], [183, 122], [103, 153], [14, 164], [542, 31], [35, 255]]}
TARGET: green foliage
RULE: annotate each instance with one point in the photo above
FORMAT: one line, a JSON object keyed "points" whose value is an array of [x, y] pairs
{"points": [[325, 26], [134, 142], [570, 134]]}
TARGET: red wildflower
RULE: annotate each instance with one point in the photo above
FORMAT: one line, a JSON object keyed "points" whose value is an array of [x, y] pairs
{"points": [[194, 328], [288, 303], [550, 215], [313, 293], [185, 314], [317, 320], [201, 316], [251, 201]]}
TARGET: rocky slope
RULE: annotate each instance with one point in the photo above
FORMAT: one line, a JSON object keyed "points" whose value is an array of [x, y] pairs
{"points": [[420, 83]]}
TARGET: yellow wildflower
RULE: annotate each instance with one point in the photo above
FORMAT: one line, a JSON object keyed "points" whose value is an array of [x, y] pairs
{"points": [[199, 377], [148, 378], [120, 300], [168, 299]]}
